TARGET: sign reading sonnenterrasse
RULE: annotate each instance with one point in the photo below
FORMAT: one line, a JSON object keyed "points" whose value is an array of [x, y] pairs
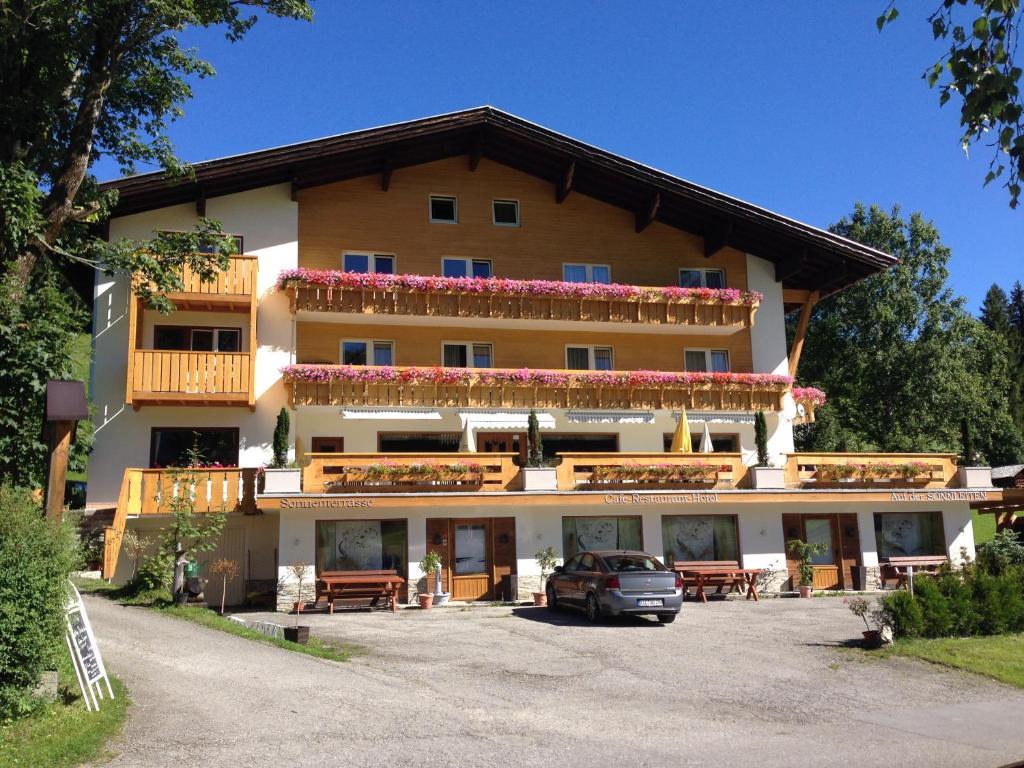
{"points": [[85, 653]]}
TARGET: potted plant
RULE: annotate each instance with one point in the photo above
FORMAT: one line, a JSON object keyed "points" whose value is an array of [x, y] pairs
{"points": [[536, 476], [763, 474], [430, 564], [298, 634], [860, 607], [281, 477], [971, 473], [803, 552], [546, 559]]}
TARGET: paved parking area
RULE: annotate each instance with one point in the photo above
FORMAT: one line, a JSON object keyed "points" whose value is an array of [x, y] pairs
{"points": [[729, 684]]}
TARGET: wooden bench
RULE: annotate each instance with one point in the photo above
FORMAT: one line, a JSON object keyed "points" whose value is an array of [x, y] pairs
{"points": [[895, 568], [719, 574], [370, 585]]}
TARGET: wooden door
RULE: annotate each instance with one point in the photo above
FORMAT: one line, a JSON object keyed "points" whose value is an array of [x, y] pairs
{"points": [[503, 535], [230, 547], [834, 568], [823, 530], [502, 442], [472, 558]]}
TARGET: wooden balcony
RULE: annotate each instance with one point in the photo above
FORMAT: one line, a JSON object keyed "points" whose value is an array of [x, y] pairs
{"points": [[497, 388], [161, 377], [649, 471], [651, 309], [409, 472], [879, 471], [152, 492], [233, 290]]}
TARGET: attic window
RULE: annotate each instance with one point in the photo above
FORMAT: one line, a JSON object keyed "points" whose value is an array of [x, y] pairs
{"points": [[443, 210], [506, 213]]}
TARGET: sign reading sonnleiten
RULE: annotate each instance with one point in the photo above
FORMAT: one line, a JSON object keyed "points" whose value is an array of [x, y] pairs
{"points": [[85, 653]]}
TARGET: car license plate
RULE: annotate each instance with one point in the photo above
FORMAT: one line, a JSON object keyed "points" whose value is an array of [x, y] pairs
{"points": [[652, 603]]}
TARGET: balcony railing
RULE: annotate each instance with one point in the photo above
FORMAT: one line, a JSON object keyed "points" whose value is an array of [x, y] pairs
{"points": [[649, 471], [499, 299], [233, 288], [871, 470], [152, 492], [409, 472], [168, 377], [338, 385]]}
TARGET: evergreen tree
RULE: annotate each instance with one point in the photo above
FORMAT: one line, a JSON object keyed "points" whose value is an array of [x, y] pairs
{"points": [[995, 311]]}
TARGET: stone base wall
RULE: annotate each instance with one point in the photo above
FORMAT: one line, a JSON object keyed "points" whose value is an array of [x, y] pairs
{"points": [[288, 589], [773, 581], [872, 578], [527, 586]]}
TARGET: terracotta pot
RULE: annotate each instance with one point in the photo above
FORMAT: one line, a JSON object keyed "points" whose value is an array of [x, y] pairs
{"points": [[298, 635], [872, 638], [805, 591], [540, 598], [427, 601], [297, 607]]}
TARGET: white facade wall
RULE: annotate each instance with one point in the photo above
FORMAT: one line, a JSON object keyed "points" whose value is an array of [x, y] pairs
{"points": [[268, 220]]}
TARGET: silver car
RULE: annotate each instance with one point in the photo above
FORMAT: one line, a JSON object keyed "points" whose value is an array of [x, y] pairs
{"points": [[612, 583]]}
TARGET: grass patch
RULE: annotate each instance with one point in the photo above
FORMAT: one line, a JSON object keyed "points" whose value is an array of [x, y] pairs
{"points": [[984, 526], [1000, 657], [160, 601], [64, 734]]}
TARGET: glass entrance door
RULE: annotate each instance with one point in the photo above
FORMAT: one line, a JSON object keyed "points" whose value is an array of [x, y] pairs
{"points": [[471, 560]]}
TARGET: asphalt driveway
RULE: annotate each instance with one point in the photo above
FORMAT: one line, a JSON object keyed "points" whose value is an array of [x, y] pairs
{"points": [[729, 684]]}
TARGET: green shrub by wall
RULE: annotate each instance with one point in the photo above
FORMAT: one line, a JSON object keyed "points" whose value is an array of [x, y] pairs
{"points": [[35, 559]]}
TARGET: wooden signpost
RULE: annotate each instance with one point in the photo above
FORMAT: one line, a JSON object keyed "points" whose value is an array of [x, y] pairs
{"points": [[65, 407], [85, 654]]}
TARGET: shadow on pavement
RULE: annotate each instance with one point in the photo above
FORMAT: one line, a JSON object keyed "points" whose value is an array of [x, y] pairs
{"points": [[566, 617]]}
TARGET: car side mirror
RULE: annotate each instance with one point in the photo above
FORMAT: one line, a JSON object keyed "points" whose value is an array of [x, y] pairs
{"points": [[559, 569]]}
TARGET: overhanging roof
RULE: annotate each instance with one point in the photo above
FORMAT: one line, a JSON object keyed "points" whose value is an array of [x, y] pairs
{"points": [[805, 257]]}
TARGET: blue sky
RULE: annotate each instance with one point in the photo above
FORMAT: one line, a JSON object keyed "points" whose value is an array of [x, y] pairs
{"points": [[801, 107]]}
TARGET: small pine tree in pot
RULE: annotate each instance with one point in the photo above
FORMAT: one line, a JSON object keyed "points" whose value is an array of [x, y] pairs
{"points": [[280, 444], [546, 560], [536, 475], [280, 476], [763, 474]]}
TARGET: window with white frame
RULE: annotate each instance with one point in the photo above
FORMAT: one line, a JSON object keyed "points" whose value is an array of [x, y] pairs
{"points": [[701, 278], [452, 266], [369, 262], [444, 209], [707, 360], [506, 212], [362, 352], [588, 358], [467, 354], [586, 273]]}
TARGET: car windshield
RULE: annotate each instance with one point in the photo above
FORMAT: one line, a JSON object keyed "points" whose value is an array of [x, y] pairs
{"points": [[632, 563]]}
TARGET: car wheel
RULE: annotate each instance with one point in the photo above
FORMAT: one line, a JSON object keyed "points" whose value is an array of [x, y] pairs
{"points": [[593, 608], [552, 598], [666, 618]]}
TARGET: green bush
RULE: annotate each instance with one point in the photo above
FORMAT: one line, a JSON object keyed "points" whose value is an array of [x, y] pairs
{"points": [[1004, 551], [958, 594], [35, 559], [904, 614], [937, 617]]}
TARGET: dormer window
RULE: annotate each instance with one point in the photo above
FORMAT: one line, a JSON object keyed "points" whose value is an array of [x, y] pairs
{"points": [[369, 262], [443, 210], [701, 278]]}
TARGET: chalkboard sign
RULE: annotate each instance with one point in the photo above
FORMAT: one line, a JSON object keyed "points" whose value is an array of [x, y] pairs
{"points": [[85, 653]]}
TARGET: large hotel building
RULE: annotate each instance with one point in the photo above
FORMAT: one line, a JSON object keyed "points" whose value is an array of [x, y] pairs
{"points": [[410, 293]]}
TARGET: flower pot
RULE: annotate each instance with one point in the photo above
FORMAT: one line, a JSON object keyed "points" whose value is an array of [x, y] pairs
{"points": [[440, 598], [539, 479], [298, 634], [768, 477], [872, 638], [540, 599], [297, 607], [805, 590], [426, 601], [975, 477], [281, 481]]}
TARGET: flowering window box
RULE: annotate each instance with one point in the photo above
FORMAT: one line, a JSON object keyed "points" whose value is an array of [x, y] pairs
{"points": [[697, 474], [896, 474], [395, 476]]}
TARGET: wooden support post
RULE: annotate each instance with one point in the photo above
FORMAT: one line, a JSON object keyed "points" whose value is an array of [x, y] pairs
{"points": [[646, 216], [60, 443], [565, 185], [801, 332]]}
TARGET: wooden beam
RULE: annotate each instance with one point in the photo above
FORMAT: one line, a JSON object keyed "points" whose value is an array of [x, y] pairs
{"points": [[385, 176], [201, 204], [476, 151], [564, 187], [645, 217], [801, 333], [60, 444], [794, 296], [716, 239], [295, 188]]}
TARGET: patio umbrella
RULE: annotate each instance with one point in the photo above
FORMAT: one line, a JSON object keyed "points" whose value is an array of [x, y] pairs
{"points": [[706, 445], [681, 441]]}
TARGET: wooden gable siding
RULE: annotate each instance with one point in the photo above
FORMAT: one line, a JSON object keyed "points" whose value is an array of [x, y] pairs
{"points": [[421, 345], [357, 215]]}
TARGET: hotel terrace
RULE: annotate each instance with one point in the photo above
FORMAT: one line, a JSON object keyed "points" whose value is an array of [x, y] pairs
{"points": [[411, 293]]}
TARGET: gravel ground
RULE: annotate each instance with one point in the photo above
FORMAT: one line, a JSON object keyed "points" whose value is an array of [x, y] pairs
{"points": [[729, 684]]}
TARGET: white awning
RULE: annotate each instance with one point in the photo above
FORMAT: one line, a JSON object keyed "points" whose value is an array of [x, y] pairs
{"points": [[610, 417], [391, 413], [724, 417], [504, 420]]}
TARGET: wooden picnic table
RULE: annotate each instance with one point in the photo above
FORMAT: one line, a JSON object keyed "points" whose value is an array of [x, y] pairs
{"points": [[718, 575], [891, 568], [337, 585]]}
